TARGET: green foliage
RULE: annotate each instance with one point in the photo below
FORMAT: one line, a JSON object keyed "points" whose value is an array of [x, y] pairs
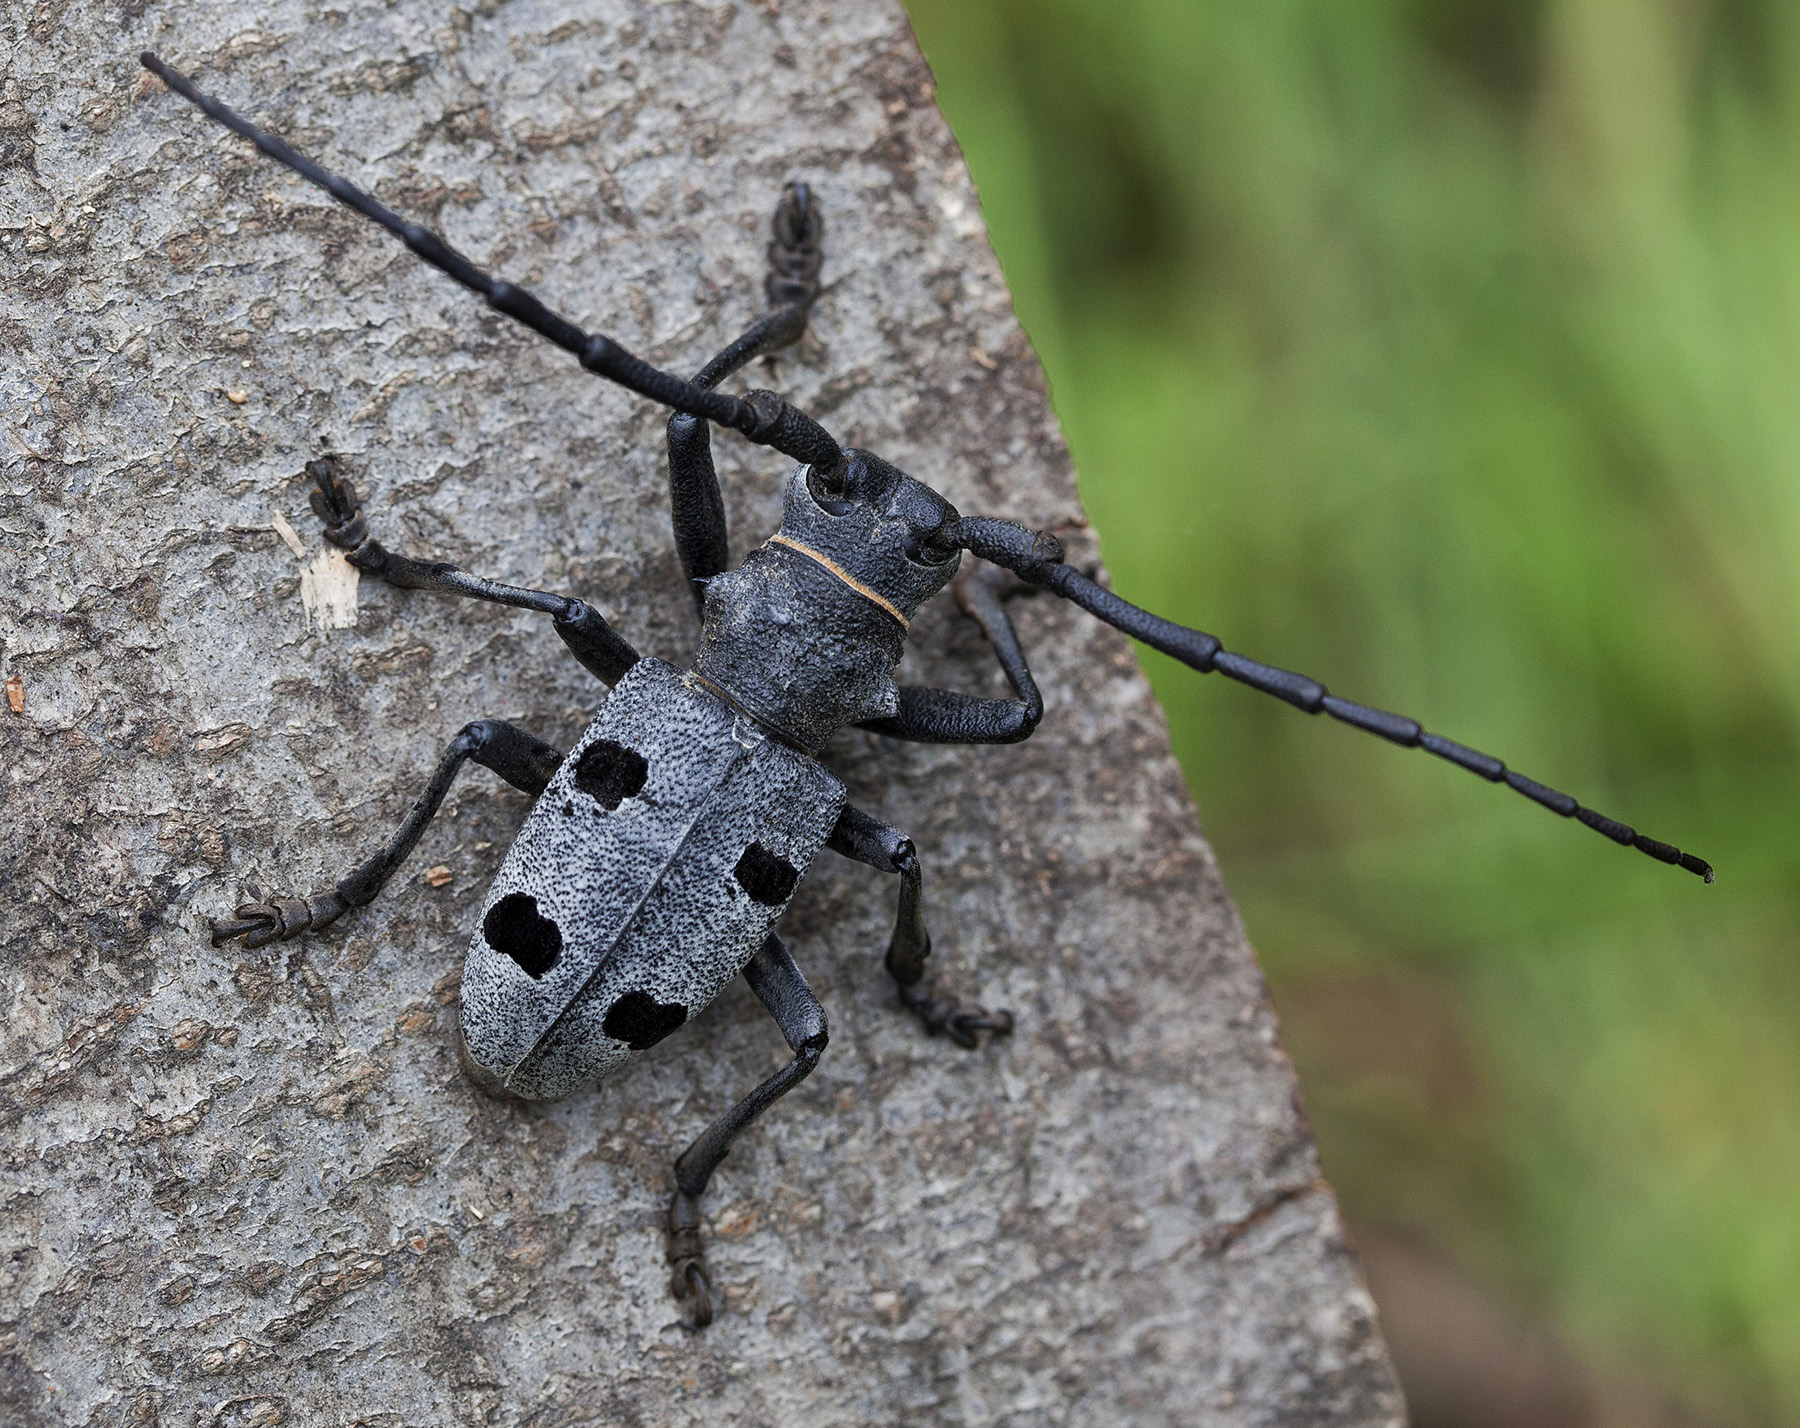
{"points": [[1446, 350]]}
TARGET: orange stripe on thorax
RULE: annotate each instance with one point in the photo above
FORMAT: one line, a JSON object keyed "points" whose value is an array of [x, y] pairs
{"points": [[827, 563]]}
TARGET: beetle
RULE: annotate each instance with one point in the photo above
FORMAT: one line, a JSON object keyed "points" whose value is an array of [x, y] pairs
{"points": [[662, 849]]}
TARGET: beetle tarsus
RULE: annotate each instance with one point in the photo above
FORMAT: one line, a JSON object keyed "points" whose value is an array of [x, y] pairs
{"points": [[796, 244], [686, 1251], [279, 919], [959, 1023], [335, 502]]}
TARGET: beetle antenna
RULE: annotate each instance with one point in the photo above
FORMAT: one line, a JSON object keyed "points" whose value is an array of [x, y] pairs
{"points": [[763, 417], [1038, 558]]}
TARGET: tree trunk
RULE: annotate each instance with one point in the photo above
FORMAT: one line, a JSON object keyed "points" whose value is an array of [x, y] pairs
{"points": [[247, 1187]]}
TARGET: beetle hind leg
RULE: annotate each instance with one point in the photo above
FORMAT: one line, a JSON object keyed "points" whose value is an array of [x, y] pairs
{"points": [[779, 986], [523, 760]]}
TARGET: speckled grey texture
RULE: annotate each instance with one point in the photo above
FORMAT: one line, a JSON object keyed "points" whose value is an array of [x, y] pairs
{"points": [[246, 1188], [643, 894]]}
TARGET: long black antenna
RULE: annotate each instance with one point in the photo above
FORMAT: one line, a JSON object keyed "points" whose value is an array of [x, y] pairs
{"points": [[763, 417], [1039, 558]]}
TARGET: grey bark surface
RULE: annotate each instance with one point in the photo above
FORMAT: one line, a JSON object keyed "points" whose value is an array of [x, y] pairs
{"points": [[249, 1188]]}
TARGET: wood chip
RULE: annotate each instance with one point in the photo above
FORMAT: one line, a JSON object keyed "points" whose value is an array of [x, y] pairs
{"points": [[217, 743], [290, 537], [15, 694], [328, 591], [440, 876]]}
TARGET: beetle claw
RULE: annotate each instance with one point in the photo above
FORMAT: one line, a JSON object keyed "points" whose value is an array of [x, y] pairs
{"points": [[964, 1023], [691, 1283], [959, 1023], [250, 924]]}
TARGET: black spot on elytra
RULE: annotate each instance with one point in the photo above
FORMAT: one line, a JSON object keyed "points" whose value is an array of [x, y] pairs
{"points": [[515, 928], [610, 773], [767, 877], [640, 1021]]}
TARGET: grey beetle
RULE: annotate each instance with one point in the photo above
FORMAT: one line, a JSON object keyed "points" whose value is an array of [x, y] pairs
{"points": [[662, 849]]}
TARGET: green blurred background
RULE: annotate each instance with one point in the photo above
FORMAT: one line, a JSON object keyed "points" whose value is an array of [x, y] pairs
{"points": [[1450, 352]]}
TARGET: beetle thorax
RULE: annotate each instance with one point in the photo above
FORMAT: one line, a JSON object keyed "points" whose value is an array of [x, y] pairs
{"points": [[805, 634]]}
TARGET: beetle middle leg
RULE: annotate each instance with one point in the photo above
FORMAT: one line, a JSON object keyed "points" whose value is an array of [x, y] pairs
{"points": [[880, 845], [943, 716], [602, 650], [523, 760], [779, 986], [696, 506]]}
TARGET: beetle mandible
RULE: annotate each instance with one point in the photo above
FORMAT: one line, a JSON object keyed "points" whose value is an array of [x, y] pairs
{"points": [[663, 847]]}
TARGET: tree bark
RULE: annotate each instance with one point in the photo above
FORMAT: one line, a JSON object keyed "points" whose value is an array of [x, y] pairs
{"points": [[254, 1187]]}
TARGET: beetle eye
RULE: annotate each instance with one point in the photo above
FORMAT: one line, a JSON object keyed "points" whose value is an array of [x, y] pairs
{"points": [[828, 494], [926, 552]]}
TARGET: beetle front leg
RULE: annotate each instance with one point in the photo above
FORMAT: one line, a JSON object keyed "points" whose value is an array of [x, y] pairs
{"points": [[880, 845], [696, 505], [780, 986], [942, 716]]}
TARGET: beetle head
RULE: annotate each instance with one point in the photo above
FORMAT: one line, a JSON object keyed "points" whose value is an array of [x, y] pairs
{"points": [[877, 523]]}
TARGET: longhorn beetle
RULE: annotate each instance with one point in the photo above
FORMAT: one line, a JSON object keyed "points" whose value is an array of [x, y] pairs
{"points": [[662, 848]]}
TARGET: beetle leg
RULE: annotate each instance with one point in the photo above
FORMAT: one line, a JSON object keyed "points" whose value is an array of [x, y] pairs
{"points": [[601, 649], [696, 507], [779, 986], [942, 716], [879, 845], [523, 760]]}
